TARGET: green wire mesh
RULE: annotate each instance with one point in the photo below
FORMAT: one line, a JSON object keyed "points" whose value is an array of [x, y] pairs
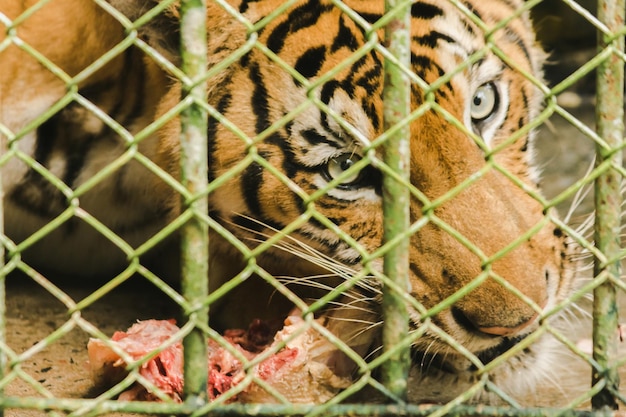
{"points": [[194, 222]]}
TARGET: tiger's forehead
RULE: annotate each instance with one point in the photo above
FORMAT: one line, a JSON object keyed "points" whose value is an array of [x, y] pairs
{"points": [[338, 61], [315, 22], [317, 37]]}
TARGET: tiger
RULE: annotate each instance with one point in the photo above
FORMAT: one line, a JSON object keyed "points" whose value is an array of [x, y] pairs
{"points": [[476, 144]]}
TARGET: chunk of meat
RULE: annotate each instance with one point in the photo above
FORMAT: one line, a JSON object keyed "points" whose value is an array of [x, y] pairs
{"points": [[164, 369], [299, 370]]}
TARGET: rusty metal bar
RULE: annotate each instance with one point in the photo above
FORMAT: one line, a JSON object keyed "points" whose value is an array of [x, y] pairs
{"points": [[397, 102], [194, 166], [608, 200]]}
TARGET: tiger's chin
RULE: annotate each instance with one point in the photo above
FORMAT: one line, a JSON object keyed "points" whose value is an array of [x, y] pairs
{"points": [[448, 376]]}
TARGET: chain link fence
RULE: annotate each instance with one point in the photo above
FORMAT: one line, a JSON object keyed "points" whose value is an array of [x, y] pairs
{"points": [[191, 178]]}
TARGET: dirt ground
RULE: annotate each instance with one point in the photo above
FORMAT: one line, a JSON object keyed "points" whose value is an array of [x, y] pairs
{"points": [[60, 369]]}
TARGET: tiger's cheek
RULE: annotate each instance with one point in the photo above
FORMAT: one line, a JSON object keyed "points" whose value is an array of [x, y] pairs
{"points": [[361, 220], [278, 199]]}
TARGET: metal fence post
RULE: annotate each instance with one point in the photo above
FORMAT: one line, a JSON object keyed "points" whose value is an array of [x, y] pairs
{"points": [[608, 200], [194, 167], [396, 198], [3, 310]]}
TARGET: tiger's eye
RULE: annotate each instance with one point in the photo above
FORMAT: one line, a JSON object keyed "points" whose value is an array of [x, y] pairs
{"points": [[484, 102], [338, 165]]}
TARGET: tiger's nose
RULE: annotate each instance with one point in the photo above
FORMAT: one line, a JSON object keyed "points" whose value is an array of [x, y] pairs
{"points": [[494, 328], [507, 331]]}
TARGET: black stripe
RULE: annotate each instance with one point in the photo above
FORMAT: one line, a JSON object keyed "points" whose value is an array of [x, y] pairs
{"points": [[245, 59], [520, 124], [243, 6], [327, 93], [515, 38], [345, 37], [370, 18], [416, 270], [525, 105], [34, 193], [289, 127], [290, 167], [311, 61], [216, 214], [472, 9], [136, 66], [290, 164], [417, 95], [351, 80], [524, 147], [372, 113], [212, 124], [425, 11], [76, 155], [276, 39], [301, 17], [251, 180], [259, 99], [371, 80], [469, 27], [46, 140], [354, 69], [422, 64], [316, 138], [432, 38]]}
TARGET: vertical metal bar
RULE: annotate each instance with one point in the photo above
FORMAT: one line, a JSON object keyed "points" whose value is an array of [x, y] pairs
{"points": [[3, 310], [4, 145], [396, 198], [194, 166], [608, 200]]}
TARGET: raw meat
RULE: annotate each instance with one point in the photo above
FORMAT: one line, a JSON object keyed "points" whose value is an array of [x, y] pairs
{"points": [[299, 371], [164, 370]]}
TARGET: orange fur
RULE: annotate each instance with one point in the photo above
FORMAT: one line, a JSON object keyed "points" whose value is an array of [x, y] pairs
{"points": [[492, 212]]}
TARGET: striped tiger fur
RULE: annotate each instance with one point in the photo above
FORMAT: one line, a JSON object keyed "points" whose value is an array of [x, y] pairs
{"points": [[484, 92]]}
